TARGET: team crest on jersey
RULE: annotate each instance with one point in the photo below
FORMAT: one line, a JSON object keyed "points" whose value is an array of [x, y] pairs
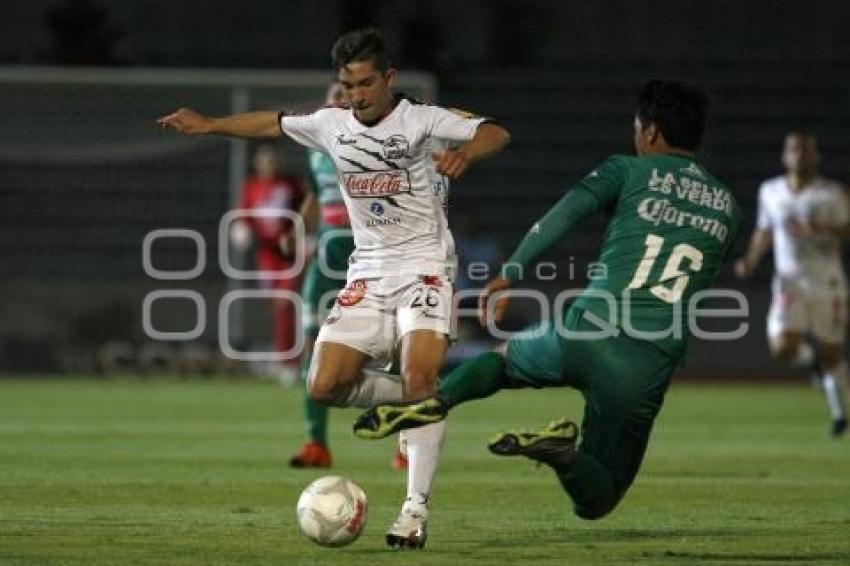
{"points": [[352, 294], [370, 184], [395, 147]]}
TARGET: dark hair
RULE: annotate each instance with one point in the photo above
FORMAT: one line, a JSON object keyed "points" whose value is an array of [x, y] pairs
{"points": [[677, 109], [359, 46]]}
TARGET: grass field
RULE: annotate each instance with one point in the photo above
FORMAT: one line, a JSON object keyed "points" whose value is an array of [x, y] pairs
{"points": [[165, 472]]}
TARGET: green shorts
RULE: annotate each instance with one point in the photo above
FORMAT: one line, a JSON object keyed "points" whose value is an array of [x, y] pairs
{"points": [[318, 293], [542, 356], [319, 289], [623, 381]]}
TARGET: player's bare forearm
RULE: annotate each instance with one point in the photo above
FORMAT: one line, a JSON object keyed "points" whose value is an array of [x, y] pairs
{"points": [[568, 212], [246, 125], [489, 140], [309, 212], [760, 243]]}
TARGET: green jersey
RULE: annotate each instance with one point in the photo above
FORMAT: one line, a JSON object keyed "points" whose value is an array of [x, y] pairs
{"points": [[334, 231], [672, 225]]}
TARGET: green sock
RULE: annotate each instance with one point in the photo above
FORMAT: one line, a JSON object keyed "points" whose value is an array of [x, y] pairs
{"points": [[475, 379], [317, 420], [315, 414]]}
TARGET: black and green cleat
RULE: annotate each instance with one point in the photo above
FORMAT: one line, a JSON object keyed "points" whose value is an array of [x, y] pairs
{"points": [[554, 445], [383, 420]]}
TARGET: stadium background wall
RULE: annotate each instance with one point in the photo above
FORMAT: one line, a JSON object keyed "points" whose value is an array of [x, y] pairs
{"points": [[78, 194]]}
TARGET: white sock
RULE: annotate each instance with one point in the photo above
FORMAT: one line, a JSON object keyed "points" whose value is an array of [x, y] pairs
{"points": [[805, 356], [423, 454], [402, 443], [833, 386], [373, 388]]}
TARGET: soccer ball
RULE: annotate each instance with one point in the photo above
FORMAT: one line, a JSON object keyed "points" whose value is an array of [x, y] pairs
{"points": [[332, 511]]}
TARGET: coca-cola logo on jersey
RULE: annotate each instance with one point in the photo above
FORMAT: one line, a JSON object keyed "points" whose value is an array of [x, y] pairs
{"points": [[376, 183]]}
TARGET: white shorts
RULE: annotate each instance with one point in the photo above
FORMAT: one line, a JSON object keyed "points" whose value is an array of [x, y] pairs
{"points": [[819, 310], [372, 315]]}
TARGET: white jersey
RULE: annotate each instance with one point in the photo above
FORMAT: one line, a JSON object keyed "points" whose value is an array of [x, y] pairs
{"points": [[814, 258], [395, 198]]}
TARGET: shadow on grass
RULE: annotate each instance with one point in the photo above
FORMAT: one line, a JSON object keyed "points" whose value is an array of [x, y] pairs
{"points": [[545, 545], [560, 536], [704, 474], [617, 536], [750, 557]]}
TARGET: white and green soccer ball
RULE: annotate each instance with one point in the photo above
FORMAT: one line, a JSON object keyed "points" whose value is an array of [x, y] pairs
{"points": [[332, 511]]}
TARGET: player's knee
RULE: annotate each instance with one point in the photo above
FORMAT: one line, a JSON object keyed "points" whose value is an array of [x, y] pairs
{"points": [[318, 394], [323, 391], [785, 347], [590, 514], [593, 508], [784, 352], [594, 512], [831, 356], [419, 383]]}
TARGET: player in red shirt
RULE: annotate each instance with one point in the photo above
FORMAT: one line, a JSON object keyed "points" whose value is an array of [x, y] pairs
{"points": [[268, 189]]}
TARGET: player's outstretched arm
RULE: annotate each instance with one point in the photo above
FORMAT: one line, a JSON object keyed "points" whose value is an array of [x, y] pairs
{"points": [[247, 125], [576, 205], [489, 139], [760, 242], [573, 207]]}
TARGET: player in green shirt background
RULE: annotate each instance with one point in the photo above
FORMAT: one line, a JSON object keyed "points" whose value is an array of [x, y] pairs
{"points": [[672, 225], [334, 245], [325, 277]]}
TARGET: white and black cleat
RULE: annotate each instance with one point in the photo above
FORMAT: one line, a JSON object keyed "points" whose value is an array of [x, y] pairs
{"points": [[410, 529]]}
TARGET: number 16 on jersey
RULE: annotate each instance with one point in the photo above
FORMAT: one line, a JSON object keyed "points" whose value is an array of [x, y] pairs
{"points": [[673, 269]]}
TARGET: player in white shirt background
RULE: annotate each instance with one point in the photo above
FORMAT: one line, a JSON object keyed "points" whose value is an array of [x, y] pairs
{"points": [[804, 217], [394, 158]]}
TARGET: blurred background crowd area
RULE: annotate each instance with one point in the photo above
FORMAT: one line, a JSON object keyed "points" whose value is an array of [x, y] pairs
{"points": [[85, 174]]}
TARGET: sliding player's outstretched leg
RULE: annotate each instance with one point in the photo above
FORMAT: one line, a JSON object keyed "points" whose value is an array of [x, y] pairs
{"points": [[383, 420], [554, 444], [478, 378]]}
